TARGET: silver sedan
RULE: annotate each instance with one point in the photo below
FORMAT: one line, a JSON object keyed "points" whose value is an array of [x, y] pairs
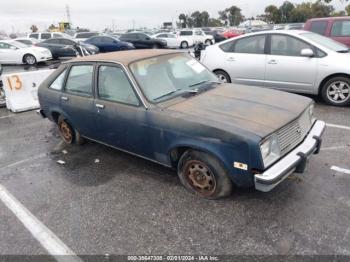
{"points": [[294, 61]]}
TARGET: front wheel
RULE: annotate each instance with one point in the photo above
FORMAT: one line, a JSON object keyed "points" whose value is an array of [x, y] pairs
{"points": [[203, 175], [29, 59], [184, 44], [336, 91]]}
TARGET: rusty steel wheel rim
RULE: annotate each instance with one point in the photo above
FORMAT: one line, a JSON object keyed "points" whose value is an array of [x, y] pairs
{"points": [[200, 177], [66, 132]]}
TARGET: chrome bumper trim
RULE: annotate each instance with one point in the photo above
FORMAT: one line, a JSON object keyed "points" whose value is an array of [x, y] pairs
{"points": [[295, 161]]}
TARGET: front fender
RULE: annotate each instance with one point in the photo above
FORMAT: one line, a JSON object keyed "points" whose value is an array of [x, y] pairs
{"points": [[227, 154]]}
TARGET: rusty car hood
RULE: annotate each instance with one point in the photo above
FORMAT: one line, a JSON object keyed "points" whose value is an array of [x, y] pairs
{"points": [[232, 107]]}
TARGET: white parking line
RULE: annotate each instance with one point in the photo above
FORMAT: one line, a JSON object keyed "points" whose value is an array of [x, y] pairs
{"points": [[340, 170], [45, 236], [338, 126], [335, 148], [1, 117], [23, 161]]}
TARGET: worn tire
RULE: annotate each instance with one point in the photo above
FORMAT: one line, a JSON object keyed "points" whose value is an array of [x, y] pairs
{"points": [[29, 59], [329, 93], [223, 76], [208, 42], [68, 133], [206, 168], [184, 45]]}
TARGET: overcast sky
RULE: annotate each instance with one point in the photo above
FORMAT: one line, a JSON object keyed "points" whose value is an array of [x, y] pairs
{"points": [[18, 15]]}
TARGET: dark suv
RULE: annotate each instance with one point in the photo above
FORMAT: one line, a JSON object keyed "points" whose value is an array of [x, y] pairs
{"points": [[142, 40], [337, 28]]}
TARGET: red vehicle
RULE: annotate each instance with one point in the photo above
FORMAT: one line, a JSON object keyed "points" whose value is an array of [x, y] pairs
{"points": [[231, 33], [337, 28]]}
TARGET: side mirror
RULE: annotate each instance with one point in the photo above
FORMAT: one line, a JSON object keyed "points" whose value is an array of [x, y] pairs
{"points": [[307, 52]]}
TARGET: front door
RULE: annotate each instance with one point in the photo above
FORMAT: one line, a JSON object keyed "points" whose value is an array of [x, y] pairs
{"points": [[77, 101], [120, 117], [286, 69]]}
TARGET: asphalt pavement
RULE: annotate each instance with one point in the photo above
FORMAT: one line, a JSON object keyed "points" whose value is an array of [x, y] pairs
{"points": [[102, 201]]}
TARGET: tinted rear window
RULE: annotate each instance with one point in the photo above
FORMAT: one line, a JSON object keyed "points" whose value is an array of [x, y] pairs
{"points": [[319, 27], [186, 33], [341, 28]]}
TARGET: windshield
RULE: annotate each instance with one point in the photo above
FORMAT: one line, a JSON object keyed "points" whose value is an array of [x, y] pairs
{"points": [[164, 77], [325, 41], [19, 44]]}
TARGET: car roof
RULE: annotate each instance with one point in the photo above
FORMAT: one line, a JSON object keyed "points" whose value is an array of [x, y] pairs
{"points": [[124, 57], [330, 18]]}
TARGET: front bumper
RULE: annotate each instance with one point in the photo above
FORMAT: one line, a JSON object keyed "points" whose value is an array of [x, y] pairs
{"points": [[295, 161]]}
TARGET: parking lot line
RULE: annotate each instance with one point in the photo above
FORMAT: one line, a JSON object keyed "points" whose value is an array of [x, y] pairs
{"points": [[40, 232], [335, 148], [341, 170], [338, 126], [1, 117], [23, 161]]}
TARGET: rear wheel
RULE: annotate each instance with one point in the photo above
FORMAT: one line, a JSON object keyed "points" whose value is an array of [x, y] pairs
{"points": [[29, 59], [336, 91], [2, 97], [184, 44], [203, 175], [208, 42], [69, 134], [223, 76]]}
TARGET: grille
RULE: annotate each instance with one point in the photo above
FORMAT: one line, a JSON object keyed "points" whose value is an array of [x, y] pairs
{"points": [[293, 133]]}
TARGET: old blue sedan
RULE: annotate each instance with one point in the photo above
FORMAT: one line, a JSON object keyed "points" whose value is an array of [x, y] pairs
{"points": [[167, 107]]}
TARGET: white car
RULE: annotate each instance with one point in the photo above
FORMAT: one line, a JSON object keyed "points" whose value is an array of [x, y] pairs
{"points": [[47, 35], [82, 36], [14, 52], [173, 40], [294, 61], [192, 36]]}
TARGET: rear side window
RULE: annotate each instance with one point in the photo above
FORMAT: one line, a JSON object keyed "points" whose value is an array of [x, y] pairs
{"points": [[250, 45], [113, 85], [185, 33], [57, 35], [58, 83], [341, 28], [319, 27], [33, 36], [79, 80], [45, 35], [227, 47]]}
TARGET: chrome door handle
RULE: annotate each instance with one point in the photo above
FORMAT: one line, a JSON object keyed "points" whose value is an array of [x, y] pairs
{"points": [[64, 98], [272, 62], [100, 106], [230, 59]]}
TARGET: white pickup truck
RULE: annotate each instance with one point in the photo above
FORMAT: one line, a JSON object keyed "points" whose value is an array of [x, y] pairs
{"points": [[193, 36]]}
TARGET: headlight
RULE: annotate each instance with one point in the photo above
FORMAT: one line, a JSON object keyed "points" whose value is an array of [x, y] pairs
{"points": [[270, 150]]}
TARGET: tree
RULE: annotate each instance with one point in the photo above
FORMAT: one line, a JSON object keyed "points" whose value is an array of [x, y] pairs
{"points": [[197, 19], [347, 9], [183, 20], [34, 28], [232, 15], [272, 14], [286, 11], [214, 22], [205, 18]]}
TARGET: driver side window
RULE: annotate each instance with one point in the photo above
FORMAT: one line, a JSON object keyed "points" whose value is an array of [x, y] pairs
{"points": [[114, 86]]}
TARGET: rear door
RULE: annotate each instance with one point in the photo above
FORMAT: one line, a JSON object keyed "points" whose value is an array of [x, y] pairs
{"points": [[120, 117], [286, 69], [245, 60], [77, 101], [8, 54]]}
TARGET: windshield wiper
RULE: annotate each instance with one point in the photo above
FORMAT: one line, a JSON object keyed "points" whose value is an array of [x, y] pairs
{"points": [[165, 95], [344, 51], [202, 82]]}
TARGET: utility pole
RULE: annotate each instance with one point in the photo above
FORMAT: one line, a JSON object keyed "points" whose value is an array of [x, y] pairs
{"points": [[68, 14]]}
